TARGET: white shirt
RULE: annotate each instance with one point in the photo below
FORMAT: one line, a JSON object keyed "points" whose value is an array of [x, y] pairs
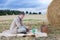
{"points": [[13, 27]]}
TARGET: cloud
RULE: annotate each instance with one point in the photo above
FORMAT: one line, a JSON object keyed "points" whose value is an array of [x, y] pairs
{"points": [[45, 1], [30, 5], [19, 3], [27, 3], [2, 1]]}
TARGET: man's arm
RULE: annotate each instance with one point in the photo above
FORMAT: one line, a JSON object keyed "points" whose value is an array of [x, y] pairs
{"points": [[18, 22], [15, 23]]}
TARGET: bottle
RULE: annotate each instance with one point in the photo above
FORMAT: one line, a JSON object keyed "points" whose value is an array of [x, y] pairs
{"points": [[33, 30]]}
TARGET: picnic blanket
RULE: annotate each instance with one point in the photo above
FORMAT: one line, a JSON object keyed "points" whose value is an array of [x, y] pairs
{"points": [[37, 33]]}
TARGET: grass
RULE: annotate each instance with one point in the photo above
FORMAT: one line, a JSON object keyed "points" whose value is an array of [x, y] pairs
{"points": [[53, 31], [28, 22]]}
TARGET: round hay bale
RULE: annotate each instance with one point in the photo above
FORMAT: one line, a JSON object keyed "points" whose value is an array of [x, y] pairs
{"points": [[53, 13]]}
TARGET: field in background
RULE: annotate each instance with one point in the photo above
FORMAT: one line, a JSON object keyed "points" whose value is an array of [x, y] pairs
{"points": [[31, 21]]}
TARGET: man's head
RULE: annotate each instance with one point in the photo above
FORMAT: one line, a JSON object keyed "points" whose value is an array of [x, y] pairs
{"points": [[21, 15]]}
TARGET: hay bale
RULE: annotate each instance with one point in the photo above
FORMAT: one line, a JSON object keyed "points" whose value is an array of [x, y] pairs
{"points": [[53, 13]]}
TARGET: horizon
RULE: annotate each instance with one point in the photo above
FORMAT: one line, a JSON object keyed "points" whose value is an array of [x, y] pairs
{"points": [[22, 5]]}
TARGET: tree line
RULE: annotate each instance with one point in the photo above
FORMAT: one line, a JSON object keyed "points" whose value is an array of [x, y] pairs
{"points": [[15, 12]]}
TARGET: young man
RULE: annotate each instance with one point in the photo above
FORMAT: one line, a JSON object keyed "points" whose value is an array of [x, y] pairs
{"points": [[17, 25]]}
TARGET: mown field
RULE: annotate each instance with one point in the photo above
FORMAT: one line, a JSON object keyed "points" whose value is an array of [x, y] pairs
{"points": [[31, 21]]}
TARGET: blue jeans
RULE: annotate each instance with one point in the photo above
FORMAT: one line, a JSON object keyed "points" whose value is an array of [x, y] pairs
{"points": [[22, 29]]}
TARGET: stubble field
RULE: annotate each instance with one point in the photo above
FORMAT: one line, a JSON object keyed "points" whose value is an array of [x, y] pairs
{"points": [[31, 21]]}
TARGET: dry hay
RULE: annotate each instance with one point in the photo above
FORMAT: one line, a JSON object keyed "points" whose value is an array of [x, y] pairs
{"points": [[53, 13]]}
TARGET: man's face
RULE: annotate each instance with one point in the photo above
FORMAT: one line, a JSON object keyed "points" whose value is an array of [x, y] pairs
{"points": [[21, 16]]}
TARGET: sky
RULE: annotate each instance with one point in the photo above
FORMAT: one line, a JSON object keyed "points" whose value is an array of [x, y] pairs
{"points": [[25, 5]]}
